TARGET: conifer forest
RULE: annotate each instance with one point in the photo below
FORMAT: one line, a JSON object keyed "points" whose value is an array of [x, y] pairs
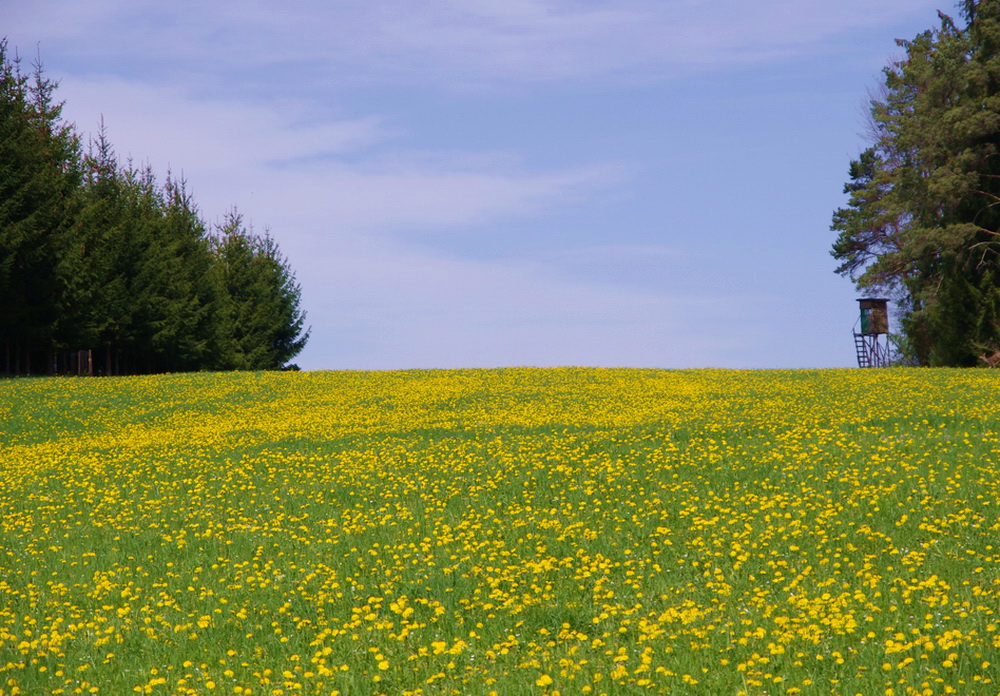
{"points": [[104, 269]]}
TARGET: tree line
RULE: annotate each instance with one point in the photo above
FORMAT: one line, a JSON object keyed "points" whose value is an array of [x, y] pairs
{"points": [[922, 225], [105, 270]]}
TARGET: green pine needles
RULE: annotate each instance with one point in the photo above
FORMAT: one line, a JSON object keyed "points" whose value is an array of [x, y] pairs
{"points": [[103, 270], [923, 221]]}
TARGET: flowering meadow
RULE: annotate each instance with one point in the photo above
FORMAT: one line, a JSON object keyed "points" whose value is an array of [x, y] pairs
{"points": [[512, 532]]}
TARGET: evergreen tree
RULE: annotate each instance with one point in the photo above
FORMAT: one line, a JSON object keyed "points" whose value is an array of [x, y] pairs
{"points": [[144, 288], [101, 260], [289, 335], [923, 218], [38, 179], [184, 301], [97, 257], [263, 317]]}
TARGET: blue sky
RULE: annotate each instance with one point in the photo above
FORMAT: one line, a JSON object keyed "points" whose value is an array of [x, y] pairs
{"points": [[480, 183]]}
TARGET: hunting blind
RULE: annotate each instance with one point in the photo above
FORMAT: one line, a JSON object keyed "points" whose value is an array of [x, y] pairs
{"points": [[872, 349]]}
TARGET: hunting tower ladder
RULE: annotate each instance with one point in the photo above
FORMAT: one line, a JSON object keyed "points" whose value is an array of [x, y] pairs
{"points": [[872, 343]]}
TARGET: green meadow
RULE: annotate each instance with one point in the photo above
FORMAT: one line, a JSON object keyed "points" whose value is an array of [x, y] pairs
{"points": [[512, 532]]}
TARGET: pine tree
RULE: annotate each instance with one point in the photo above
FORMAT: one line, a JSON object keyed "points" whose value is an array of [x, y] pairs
{"points": [[95, 256], [289, 333], [263, 318], [100, 259], [38, 179], [186, 298], [922, 221]]}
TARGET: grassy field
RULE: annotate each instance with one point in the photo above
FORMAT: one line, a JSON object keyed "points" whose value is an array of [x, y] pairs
{"points": [[542, 532]]}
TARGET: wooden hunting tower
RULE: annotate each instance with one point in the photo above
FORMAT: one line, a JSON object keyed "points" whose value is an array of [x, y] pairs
{"points": [[872, 349]]}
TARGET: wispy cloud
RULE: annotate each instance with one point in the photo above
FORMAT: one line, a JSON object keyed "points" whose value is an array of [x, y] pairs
{"points": [[546, 40], [344, 200], [629, 253], [347, 174], [348, 127], [400, 195], [167, 125], [459, 42]]}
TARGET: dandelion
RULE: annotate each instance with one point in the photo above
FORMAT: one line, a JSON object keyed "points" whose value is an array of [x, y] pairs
{"points": [[472, 531]]}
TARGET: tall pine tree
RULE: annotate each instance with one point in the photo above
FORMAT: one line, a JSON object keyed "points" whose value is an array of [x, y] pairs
{"points": [[265, 323], [923, 220], [38, 180], [102, 260], [185, 298], [97, 258]]}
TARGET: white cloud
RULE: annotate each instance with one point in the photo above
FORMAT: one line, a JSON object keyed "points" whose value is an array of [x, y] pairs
{"points": [[401, 197], [275, 165], [467, 41], [167, 126], [455, 42], [243, 99], [340, 218], [620, 253]]}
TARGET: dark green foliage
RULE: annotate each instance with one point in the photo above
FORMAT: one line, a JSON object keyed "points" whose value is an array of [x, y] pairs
{"points": [[98, 257], [922, 221], [182, 298], [105, 263], [262, 299], [38, 179]]}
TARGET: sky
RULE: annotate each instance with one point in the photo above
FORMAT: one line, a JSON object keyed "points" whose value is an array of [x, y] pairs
{"points": [[487, 183]]}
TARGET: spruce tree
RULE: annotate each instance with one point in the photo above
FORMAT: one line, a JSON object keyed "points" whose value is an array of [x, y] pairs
{"points": [[263, 316], [186, 296], [289, 333], [101, 260], [95, 256], [39, 175]]}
